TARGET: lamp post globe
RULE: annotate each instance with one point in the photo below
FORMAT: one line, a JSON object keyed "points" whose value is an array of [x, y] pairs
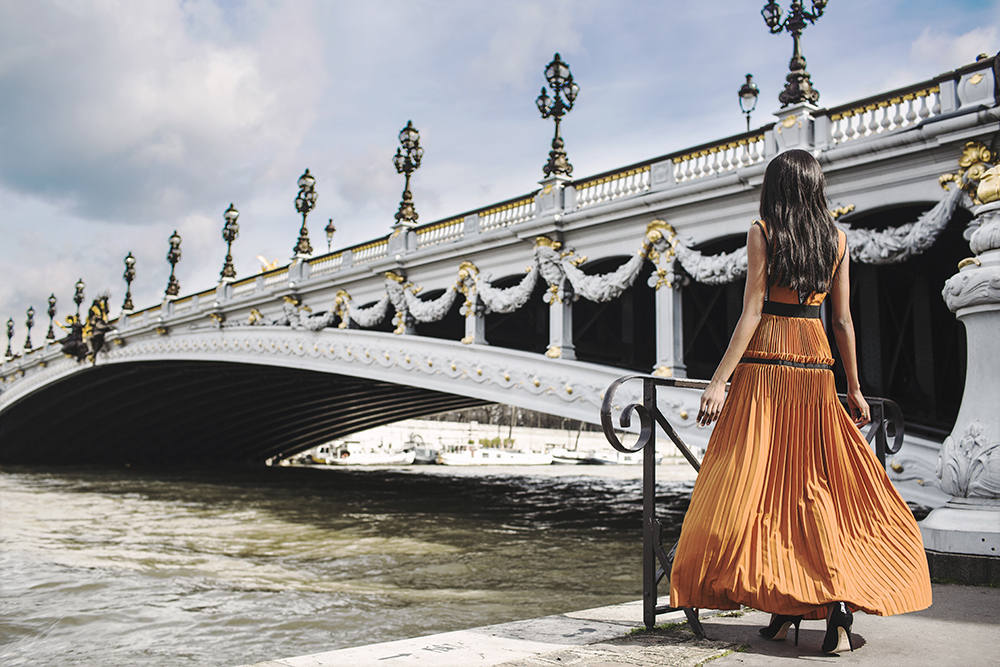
{"points": [[407, 160], [10, 336], [129, 276], [50, 335], [748, 94], [230, 231], [78, 296], [798, 87], [555, 106], [173, 256], [305, 202], [29, 322], [330, 229]]}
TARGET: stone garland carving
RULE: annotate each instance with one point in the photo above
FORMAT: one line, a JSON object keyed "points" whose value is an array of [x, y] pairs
{"points": [[712, 269], [506, 299], [897, 244], [431, 310], [366, 317], [868, 246]]}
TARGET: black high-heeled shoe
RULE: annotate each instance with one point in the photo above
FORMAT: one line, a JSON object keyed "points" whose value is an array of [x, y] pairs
{"points": [[838, 628], [778, 628]]}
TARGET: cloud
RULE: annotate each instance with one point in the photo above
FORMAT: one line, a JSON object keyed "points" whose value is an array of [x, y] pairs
{"points": [[127, 111]]}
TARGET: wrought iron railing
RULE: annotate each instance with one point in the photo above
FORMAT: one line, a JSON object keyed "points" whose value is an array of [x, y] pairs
{"points": [[887, 423]]}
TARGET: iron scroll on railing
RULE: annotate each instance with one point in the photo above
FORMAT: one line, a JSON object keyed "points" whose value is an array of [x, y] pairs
{"points": [[887, 423]]}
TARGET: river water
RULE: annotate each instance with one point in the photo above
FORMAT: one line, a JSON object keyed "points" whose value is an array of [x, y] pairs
{"points": [[126, 567]]}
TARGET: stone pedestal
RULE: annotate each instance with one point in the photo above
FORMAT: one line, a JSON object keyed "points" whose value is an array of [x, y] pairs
{"points": [[795, 127], [969, 462]]}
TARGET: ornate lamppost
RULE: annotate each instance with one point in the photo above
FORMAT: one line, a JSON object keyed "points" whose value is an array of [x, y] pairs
{"points": [[29, 322], [10, 336], [305, 202], [173, 256], [748, 98], [330, 229], [798, 88], [78, 296], [564, 92], [230, 231], [129, 276], [407, 160], [51, 333]]}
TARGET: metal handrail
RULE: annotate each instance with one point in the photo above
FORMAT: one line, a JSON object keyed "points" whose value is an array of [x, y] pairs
{"points": [[887, 422]]}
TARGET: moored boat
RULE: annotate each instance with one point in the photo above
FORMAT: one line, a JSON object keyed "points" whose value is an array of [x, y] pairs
{"points": [[473, 455]]}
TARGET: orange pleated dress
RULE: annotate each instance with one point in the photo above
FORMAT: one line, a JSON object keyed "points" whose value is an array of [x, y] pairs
{"points": [[792, 510]]}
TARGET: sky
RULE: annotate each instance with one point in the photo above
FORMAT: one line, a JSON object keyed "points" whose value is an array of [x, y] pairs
{"points": [[122, 121]]}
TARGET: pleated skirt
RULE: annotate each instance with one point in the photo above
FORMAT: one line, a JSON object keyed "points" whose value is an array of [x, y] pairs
{"points": [[791, 509]]}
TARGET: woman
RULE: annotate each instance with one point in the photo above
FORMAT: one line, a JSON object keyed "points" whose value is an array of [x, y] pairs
{"points": [[792, 513]]}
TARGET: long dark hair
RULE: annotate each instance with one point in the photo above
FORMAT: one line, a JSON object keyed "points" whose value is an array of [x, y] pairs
{"points": [[802, 241]]}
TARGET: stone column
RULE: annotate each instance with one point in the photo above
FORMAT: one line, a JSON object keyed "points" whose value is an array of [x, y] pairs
{"points": [[473, 308], [669, 325], [560, 299], [969, 461]]}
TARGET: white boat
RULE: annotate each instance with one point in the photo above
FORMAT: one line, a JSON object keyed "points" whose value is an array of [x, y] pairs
{"points": [[477, 455], [354, 453], [597, 457]]}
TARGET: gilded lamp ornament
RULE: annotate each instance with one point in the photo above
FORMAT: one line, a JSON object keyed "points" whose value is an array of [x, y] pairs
{"points": [[798, 86], [407, 160], [305, 202], [173, 256], [231, 230], [564, 92]]}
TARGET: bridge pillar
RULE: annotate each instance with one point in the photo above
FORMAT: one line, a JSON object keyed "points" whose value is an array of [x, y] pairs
{"points": [[795, 127], [560, 299], [969, 461], [669, 325]]}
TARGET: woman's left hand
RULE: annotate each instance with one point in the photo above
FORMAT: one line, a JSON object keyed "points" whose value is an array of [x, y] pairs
{"points": [[711, 403]]}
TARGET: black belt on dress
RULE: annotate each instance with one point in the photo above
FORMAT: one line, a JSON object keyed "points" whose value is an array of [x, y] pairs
{"points": [[786, 362], [790, 309]]}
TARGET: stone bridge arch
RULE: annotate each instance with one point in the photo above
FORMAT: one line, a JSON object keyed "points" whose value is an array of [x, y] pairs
{"points": [[246, 394]]}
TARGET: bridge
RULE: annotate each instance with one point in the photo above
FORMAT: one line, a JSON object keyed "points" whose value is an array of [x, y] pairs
{"points": [[539, 301]]}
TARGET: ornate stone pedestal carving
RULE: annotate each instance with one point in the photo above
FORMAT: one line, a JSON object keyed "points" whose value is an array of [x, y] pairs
{"points": [[969, 462]]}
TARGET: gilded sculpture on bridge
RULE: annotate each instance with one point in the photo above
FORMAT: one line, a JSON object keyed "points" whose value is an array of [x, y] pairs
{"points": [[86, 340]]}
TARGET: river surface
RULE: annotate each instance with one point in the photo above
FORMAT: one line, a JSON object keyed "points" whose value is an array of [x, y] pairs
{"points": [[127, 567]]}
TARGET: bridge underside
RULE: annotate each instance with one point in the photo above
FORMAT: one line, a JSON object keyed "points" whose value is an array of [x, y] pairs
{"points": [[183, 412]]}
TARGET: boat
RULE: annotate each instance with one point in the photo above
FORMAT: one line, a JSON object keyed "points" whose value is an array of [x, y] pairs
{"points": [[423, 453], [354, 453], [478, 455], [597, 457]]}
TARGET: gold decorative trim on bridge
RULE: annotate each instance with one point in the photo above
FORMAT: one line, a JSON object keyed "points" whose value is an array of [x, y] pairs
{"points": [[527, 201], [625, 173], [718, 148], [886, 102]]}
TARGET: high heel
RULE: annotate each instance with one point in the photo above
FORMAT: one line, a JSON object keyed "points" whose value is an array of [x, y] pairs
{"points": [[778, 628], [838, 629]]}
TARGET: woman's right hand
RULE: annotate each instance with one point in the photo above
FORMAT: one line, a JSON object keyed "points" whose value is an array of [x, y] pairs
{"points": [[858, 406], [712, 400]]}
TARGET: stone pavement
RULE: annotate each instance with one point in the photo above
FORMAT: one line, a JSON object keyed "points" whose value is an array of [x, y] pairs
{"points": [[961, 628]]}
